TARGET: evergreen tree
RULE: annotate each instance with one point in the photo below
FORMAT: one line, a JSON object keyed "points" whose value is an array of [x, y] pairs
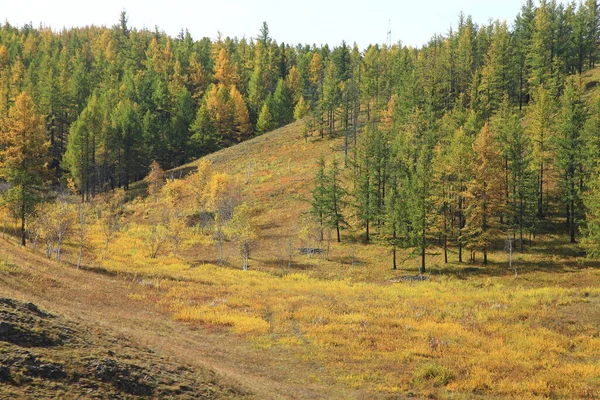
{"points": [[365, 186], [331, 95], [568, 154], [459, 171], [182, 117], [126, 124], [420, 204], [334, 200], [495, 83], [591, 230], [316, 79], [282, 111], [204, 138], [591, 12], [522, 185], [591, 197], [265, 121], [396, 217], [319, 207], [80, 157], [541, 54], [442, 196], [369, 90], [523, 33], [540, 116], [591, 136], [301, 110]]}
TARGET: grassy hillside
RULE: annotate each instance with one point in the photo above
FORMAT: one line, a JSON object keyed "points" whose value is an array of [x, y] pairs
{"points": [[47, 356], [343, 327], [279, 168]]}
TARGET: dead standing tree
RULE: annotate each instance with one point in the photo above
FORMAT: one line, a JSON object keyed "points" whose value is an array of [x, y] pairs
{"points": [[222, 196], [111, 217], [243, 232]]}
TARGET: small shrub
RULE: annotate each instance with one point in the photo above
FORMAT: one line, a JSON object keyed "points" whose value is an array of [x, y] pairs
{"points": [[8, 268], [435, 373]]}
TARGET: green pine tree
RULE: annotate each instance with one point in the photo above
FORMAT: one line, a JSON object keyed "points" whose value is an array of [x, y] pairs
{"points": [[569, 148], [265, 121]]}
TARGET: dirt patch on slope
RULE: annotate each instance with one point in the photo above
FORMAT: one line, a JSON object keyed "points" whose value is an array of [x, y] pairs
{"points": [[46, 356]]}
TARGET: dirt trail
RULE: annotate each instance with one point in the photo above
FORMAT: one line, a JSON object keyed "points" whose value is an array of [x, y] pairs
{"points": [[101, 302]]}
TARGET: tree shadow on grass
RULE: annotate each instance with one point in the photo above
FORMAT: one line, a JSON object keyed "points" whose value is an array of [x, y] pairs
{"points": [[523, 267], [283, 265], [551, 253]]}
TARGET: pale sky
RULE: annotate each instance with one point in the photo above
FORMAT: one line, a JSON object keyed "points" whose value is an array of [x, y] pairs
{"points": [[301, 21]]}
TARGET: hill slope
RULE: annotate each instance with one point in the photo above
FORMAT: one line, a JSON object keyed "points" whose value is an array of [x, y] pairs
{"points": [[105, 328], [46, 356], [277, 171]]}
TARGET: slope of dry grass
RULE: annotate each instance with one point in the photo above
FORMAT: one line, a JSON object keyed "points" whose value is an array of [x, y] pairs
{"points": [[47, 356]]}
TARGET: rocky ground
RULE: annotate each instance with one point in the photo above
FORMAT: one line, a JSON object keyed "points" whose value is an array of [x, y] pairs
{"points": [[47, 356]]}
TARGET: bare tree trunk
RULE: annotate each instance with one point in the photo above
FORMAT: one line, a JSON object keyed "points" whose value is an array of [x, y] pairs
{"points": [[4, 227], [290, 255], [572, 222], [23, 241], [105, 250], [220, 243], [541, 194], [445, 238], [422, 269]]}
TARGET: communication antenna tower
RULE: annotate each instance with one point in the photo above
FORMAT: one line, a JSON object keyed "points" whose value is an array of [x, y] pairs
{"points": [[389, 34]]}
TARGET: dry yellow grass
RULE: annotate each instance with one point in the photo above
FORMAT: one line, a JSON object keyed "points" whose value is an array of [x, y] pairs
{"points": [[484, 335]]}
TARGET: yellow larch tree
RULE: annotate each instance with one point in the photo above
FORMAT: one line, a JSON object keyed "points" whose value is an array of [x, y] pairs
{"points": [[221, 109], [198, 182], [224, 70], [485, 192], [155, 180], [242, 126], [4, 82], [198, 77], [293, 81], [24, 157]]}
